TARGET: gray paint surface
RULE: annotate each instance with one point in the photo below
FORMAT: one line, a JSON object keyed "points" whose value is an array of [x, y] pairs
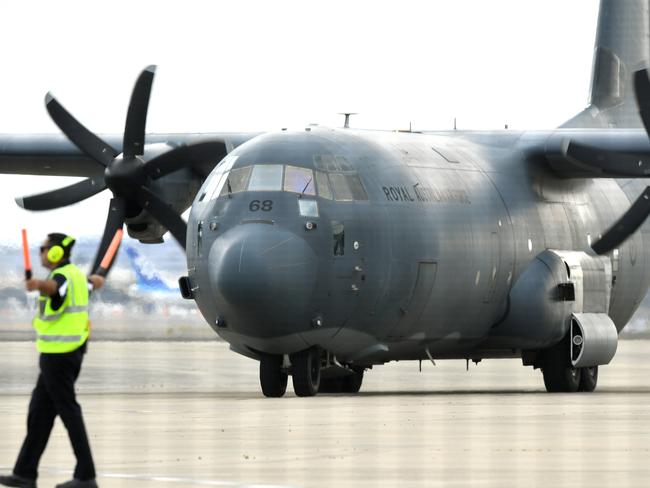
{"points": [[451, 224]]}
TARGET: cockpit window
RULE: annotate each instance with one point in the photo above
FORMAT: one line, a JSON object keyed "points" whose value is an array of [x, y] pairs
{"points": [[323, 185], [308, 208], [356, 187], [236, 181], [340, 186], [299, 180], [239, 178], [212, 186], [344, 186], [266, 177], [347, 187]]}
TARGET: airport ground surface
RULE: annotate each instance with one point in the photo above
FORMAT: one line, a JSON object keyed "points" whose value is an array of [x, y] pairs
{"points": [[172, 414]]}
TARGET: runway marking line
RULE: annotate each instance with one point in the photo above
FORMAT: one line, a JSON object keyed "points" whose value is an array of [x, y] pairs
{"points": [[164, 479]]}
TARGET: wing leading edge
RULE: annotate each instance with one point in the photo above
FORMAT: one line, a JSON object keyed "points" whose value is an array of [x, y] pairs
{"points": [[55, 155]]}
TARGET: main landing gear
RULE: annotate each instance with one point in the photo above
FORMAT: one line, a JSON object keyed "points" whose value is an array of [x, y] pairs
{"points": [[560, 375], [305, 368]]}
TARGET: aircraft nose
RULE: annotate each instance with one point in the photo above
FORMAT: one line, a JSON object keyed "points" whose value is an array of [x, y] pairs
{"points": [[262, 278]]}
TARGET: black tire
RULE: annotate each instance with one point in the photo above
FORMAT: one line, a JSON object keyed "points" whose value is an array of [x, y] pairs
{"points": [[352, 383], [272, 378], [559, 374], [330, 385], [588, 379], [561, 379], [305, 367]]}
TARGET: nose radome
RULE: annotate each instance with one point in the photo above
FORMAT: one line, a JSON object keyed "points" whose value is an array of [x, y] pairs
{"points": [[262, 274]]}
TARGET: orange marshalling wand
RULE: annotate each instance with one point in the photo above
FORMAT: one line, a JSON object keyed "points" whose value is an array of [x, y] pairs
{"points": [[28, 264], [110, 253]]}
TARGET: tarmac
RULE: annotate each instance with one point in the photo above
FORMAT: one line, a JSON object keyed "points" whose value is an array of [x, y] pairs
{"points": [[189, 414]]}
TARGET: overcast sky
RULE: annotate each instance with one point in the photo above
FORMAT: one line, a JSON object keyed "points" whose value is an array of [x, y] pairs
{"points": [[261, 65]]}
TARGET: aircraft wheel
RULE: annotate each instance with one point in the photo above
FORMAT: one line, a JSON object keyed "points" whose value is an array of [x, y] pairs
{"points": [[559, 373], [272, 378], [306, 372], [330, 385], [588, 379], [561, 379], [352, 383]]}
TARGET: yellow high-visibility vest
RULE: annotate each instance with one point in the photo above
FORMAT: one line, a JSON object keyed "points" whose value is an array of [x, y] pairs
{"points": [[65, 329]]}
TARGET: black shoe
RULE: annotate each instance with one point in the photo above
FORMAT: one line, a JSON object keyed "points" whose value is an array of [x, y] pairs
{"points": [[75, 483], [18, 481]]}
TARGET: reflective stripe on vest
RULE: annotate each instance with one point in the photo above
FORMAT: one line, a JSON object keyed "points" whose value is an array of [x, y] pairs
{"points": [[55, 338], [52, 318], [65, 329]]}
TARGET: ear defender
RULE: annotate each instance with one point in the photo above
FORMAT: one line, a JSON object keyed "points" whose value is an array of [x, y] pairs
{"points": [[56, 253]]}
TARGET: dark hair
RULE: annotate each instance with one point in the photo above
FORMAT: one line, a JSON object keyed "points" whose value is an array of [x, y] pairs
{"points": [[56, 239]]}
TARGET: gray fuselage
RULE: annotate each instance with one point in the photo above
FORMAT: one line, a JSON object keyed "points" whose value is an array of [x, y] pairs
{"points": [[442, 228]]}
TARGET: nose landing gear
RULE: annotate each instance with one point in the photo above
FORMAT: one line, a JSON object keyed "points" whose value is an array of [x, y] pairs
{"points": [[305, 370], [273, 376], [305, 366]]}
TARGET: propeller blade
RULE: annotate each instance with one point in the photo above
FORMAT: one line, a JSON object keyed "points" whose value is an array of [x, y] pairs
{"points": [[163, 213], [642, 92], [114, 221], [182, 157], [625, 226], [63, 196], [89, 143], [136, 118], [610, 163]]}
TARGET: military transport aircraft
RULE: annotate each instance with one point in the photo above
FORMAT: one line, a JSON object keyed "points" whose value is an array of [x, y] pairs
{"points": [[323, 252]]}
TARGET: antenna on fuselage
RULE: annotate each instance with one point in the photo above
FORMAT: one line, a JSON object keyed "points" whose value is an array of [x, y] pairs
{"points": [[346, 124]]}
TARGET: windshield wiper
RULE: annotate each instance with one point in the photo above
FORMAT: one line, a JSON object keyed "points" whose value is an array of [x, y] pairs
{"points": [[305, 188]]}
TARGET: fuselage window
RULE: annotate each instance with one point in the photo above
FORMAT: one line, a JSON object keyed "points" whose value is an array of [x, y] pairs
{"points": [[299, 180], [266, 177], [236, 180], [338, 230], [323, 185]]}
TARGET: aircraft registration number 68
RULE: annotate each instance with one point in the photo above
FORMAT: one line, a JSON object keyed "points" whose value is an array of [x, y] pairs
{"points": [[265, 206]]}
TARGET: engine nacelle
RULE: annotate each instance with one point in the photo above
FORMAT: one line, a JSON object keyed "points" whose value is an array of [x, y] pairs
{"points": [[179, 189], [538, 313], [554, 288]]}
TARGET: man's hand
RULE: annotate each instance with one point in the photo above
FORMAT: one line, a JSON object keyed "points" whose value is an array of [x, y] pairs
{"points": [[97, 281], [32, 284], [46, 287]]}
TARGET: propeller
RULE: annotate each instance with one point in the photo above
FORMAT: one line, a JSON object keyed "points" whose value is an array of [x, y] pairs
{"points": [[126, 174], [640, 209]]}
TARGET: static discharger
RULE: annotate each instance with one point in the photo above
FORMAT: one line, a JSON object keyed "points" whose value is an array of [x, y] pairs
{"points": [[26, 260], [110, 253]]}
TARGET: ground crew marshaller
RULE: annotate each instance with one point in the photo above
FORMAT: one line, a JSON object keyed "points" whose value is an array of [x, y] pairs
{"points": [[62, 329]]}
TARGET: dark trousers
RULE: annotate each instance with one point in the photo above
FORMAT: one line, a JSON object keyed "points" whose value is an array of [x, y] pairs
{"points": [[54, 395]]}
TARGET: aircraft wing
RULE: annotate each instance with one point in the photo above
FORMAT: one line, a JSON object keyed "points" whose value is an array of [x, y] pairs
{"points": [[55, 155]]}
